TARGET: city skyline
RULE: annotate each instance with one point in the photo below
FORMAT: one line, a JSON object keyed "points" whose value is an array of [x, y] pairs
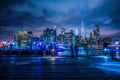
{"points": [[39, 14]]}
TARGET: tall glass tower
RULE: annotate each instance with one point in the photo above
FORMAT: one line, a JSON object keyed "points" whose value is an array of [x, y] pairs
{"points": [[82, 30]]}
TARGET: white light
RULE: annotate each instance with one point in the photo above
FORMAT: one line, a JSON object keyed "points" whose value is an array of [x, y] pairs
{"points": [[40, 43], [76, 32], [116, 42], [13, 43], [105, 49], [4, 42], [53, 58], [117, 47]]}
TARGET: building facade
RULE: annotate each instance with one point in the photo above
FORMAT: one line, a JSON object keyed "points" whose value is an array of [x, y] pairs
{"points": [[22, 38]]}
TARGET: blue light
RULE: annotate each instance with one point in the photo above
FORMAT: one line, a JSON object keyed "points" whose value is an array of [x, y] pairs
{"points": [[117, 48], [47, 46], [60, 53], [116, 42], [117, 52], [40, 43], [105, 49], [117, 56], [33, 42], [106, 66], [60, 46], [13, 43]]}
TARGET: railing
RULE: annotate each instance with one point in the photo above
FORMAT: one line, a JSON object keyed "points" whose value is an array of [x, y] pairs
{"points": [[65, 52]]}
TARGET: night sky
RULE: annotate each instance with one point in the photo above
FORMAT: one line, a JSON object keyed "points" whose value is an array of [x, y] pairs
{"points": [[36, 15]]}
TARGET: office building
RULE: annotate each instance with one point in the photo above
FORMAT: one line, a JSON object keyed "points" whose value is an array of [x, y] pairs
{"points": [[82, 30], [22, 38]]}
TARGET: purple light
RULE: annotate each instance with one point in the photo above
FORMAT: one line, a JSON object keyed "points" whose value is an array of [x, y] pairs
{"points": [[61, 47], [60, 54]]}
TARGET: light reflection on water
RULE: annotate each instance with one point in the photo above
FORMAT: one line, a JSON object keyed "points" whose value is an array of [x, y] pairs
{"points": [[109, 66], [81, 52]]}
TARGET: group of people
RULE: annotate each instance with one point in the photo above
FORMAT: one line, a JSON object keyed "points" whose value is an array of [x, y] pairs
{"points": [[51, 50], [48, 49], [75, 49]]}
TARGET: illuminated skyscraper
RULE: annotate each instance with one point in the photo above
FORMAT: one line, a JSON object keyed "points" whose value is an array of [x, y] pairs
{"points": [[71, 31], [49, 35], [76, 32], [63, 31], [96, 32], [30, 36], [55, 27], [82, 30], [15, 37], [22, 37]]}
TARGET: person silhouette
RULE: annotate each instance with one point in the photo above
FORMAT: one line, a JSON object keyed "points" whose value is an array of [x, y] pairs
{"points": [[76, 50], [72, 51], [53, 50], [86, 49], [44, 49]]}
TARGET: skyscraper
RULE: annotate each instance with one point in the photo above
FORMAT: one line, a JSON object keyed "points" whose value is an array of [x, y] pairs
{"points": [[76, 32], [22, 37], [96, 32], [49, 35], [82, 30], [15, 37], [63, 31], [30, 36]]}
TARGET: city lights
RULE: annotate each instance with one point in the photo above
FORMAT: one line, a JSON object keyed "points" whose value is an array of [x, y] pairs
{"points": [[105, 49], [4, 42], [116, 42], [59, 39]]}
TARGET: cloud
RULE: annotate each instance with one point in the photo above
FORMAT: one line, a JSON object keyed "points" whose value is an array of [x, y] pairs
{"points": [[56, 11], [67, 13]]}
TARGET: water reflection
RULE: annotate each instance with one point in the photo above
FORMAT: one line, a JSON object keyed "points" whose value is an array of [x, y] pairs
{"points": [[12, 59], [81, 52]]}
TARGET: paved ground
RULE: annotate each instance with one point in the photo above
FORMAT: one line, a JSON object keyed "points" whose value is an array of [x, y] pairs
{"points": [[58, 68]]}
